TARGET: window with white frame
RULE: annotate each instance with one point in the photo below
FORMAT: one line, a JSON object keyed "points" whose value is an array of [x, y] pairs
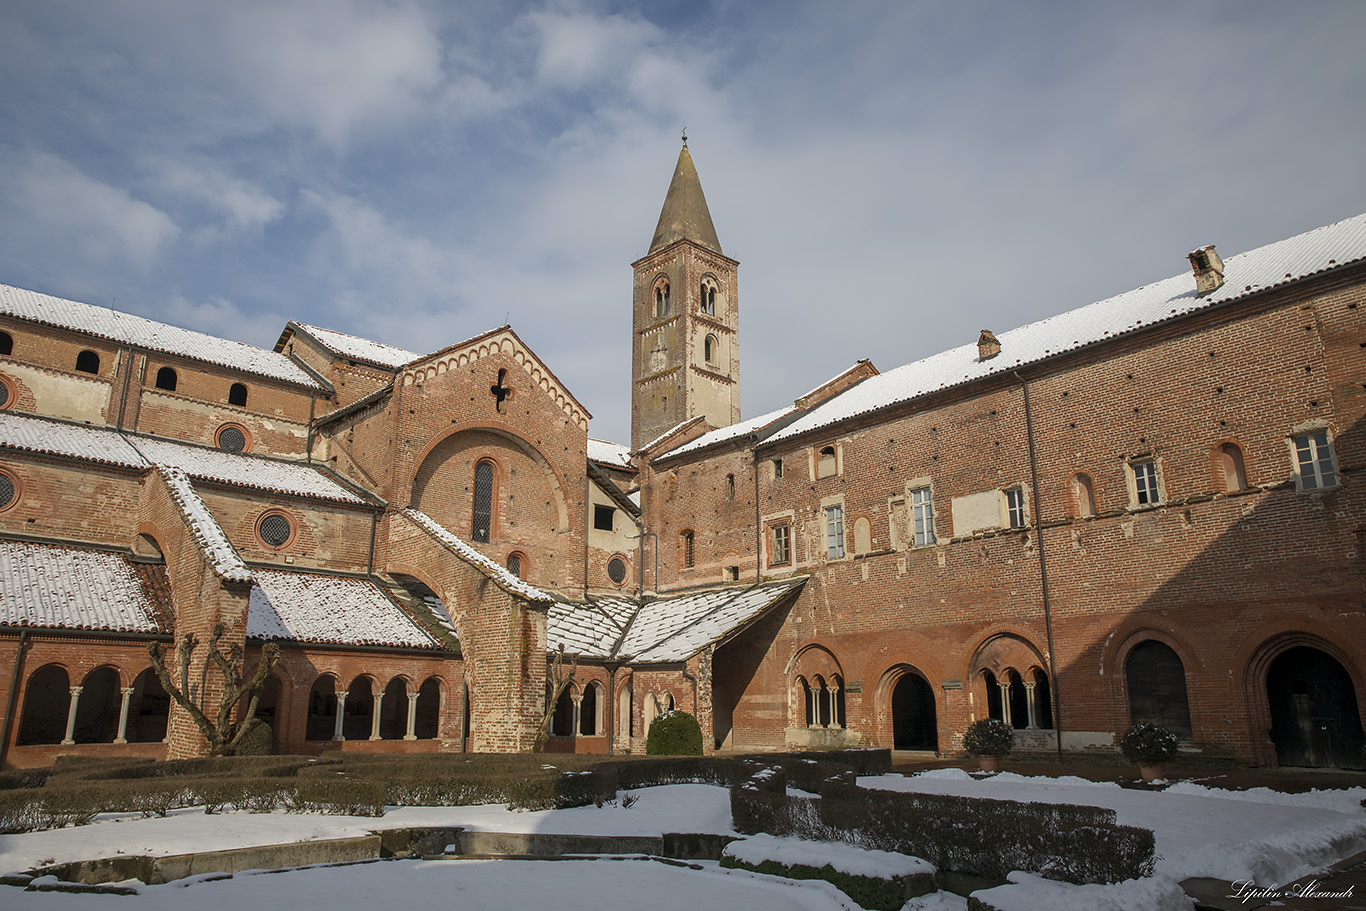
{"points": [[1015, 507], [1314, 461], [922, 516], [834, 532], [1145, 482]]}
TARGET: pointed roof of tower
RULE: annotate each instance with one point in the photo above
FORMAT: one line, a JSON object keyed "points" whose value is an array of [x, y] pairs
{"points": [[685, 215]]}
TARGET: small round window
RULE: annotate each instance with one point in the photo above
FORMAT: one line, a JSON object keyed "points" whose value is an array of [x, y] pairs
{"points": [[616, 570], [5, 396], [232, 439], [276, 529], [9, 491]]}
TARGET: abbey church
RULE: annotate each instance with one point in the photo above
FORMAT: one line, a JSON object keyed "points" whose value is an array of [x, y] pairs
{"points": [[1141, 509]]}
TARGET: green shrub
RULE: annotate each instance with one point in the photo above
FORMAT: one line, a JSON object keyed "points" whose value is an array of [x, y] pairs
{"points": [[1148, 744], [988, 737], [674, 733]]}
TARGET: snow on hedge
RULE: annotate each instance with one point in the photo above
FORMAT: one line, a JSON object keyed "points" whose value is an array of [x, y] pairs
{"points": [[792, 852]]}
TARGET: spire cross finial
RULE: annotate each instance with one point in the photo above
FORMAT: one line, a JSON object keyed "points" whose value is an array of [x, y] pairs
{"points": [[685, 135]]}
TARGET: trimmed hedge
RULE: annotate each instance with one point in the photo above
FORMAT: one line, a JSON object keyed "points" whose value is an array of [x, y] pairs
{"points": [[870, 892], [674, 733]]}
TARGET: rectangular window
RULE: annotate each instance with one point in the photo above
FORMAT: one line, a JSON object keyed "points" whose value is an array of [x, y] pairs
{"points": [[602, 517], [922, 515], [1145, 483], [688, 554], [834, 532], [777, 469], [782, 545], [1015, 507], [1314, 461]]}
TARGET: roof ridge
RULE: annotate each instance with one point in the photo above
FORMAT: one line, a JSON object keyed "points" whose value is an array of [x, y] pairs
{"points": [[213, 542]]}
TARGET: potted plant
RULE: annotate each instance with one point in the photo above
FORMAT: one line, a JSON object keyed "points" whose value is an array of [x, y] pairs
{"points": [[1150, 746], [989, 739]]}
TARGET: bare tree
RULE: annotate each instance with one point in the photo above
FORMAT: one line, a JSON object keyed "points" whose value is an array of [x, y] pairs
{"points": [[222, 733], [559, 680]]}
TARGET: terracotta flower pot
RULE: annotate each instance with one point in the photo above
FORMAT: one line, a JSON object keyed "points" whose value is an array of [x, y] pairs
{"points": [[989, 763], [1152, 772]]}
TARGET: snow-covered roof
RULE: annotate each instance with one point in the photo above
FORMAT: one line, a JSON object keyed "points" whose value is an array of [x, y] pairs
{"points": [[663, 630], [504, 579], [753, 425], [613, 454], [241, 470], [212, 540], [670, 432], [304, 607], [360, 349], [127, 329], [76, 441], [46, 585], [1321, 250]]}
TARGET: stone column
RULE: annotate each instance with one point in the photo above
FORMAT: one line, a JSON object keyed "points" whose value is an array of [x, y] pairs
{"points": [[127, 692], [1005, 704], [834, 706], [1033, 706], [374, 720], [578, 716], [412, 717], [341, 716], [813, 710], [71, 715]]}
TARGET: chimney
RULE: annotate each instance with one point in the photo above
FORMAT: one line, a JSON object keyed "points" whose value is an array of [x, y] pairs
{"points": [[1208, 269], [987, 346]]}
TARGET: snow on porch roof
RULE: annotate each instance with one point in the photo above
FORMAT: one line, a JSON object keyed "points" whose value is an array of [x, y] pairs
{"points": [[303, 607], [47, 585], [1321, 250], [127, 329], [661, 631], [76, 441], [242, 470]]}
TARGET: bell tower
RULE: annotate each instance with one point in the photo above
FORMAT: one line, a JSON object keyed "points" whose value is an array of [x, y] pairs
{"points": [[685, 318]]}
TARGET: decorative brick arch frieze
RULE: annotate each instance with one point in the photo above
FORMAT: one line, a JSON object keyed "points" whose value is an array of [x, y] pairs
{"points": [[502, 342], [554, 478], [1005, 649], [814, 659]]}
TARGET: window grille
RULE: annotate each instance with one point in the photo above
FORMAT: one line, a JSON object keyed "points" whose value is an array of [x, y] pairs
{"points": [[515, 565], [4, 394], [232, 439], [483, 502], [616, 570], [276, 530], [688, 554], [7, 491]]}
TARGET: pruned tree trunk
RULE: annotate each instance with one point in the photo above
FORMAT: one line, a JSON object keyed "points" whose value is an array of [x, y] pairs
{"points": [[559, 680], [221, 733]]}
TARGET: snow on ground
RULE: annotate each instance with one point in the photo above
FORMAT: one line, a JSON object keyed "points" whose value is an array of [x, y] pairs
{"points": [[600, 885], [674, 808], [1258, 835], [1026, 892], [846, 858]]}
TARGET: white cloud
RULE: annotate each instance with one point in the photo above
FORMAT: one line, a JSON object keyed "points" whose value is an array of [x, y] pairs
{"points": [[52, 202], [576, 48], [242, 206]]}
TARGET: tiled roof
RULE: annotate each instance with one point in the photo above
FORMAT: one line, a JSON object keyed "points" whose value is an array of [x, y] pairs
{"points": [[1321, 250], [303, 607], [210, 537], [360, 349], [663, 630], [753, 425], [504, 579], [242, 470], [613, 454], [50, 586], [76, 441], [127, 329]]}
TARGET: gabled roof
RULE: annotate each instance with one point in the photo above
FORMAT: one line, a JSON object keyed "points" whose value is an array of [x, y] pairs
{"points": [[50, 586], [716, 437], [127, 329], [609, 487], [1316, 252], [351, 346], [613, 455], [209, 536], [685, 215], [498, 574], [662, 631], [697, 424], [308, 607]]}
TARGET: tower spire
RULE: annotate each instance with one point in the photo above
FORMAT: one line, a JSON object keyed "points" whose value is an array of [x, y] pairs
{"points": [[685, 215]]}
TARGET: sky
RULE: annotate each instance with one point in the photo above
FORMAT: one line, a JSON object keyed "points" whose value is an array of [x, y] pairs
{"points": [[892, 176]]}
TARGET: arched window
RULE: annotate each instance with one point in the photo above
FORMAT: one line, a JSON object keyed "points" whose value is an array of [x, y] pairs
{"points": [[427, 714], [47, 699], [685, 544], [730, 487], [88, 362], [322, 709], [825, 462], [808, 712], [151, 709], [1019, 701], [6, 343], [360, 710], [515, 565], [1157, 687], [661, 298], [708, 297], [393, 715], [1228, 460], [562, 723], [237, 395], [1083, 495], [709, 349], [166, 379], [482, 530], [589, 713]]}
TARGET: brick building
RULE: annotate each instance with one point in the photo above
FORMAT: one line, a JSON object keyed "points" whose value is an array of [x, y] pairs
{"points": [[1142, 509]]}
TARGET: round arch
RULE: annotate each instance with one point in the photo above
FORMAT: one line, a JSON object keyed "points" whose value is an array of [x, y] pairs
{"points": [[908, 709], [1305, 691]]}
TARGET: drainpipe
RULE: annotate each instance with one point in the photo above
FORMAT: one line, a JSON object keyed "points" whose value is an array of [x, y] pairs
{"points": [[370, 561], [611, 706], [308, 443], [758, 526], [587, 502], [13, 697], [1043, 565]]}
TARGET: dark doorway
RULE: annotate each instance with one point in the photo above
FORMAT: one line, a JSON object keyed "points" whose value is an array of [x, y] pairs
{"points": [[1314, 716], [913, 721], [1157, 688]]}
